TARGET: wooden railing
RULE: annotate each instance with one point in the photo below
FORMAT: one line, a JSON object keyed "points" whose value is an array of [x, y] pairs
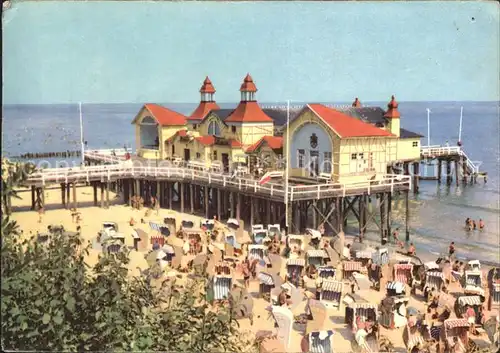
{"points": [[113, 172], [437, 150]]}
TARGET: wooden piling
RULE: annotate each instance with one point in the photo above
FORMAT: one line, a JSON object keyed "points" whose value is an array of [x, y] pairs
{"points": [[383, 218], [75, 203], [219, 204], [231, 205], [170, 188], [33, 201], [252, 216], [94, 186], [63, 195], [206, 201], [102, 194], [407, 218], [131, 191], [439, 171], [68, 193], [448, 172], [182, 196], [389, 212], [238, 206], [191, 197], [464, 169], [416, 175], [107, 194], [457, 173]]}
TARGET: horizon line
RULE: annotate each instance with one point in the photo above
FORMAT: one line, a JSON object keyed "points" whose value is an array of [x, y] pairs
{"points": [[260, 103]]}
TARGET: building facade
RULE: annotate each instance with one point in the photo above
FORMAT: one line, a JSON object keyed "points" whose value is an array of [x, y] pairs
{"points": [[347, 145]]}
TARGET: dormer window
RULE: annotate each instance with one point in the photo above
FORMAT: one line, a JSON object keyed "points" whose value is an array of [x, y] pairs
{"points": [[213, 128]]}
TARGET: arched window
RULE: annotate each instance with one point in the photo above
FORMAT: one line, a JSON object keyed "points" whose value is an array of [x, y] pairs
{"points": [[213, 128], [148, 121]]}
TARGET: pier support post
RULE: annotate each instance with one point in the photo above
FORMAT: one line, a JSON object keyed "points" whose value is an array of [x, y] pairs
{"points": [[361, 210], [191, 197], [33, 202], [389, 211], [383, 218], [407, 218], [130, 191], [68, 199], [219, 204], [449, 178], [340, 214], [457, 173], [231, 204], [406, 168], [170, 188], [108, 185], [42, 191], [464, 169], [63, 195], [314, 215], [75, 203], [182, 196], [158, 193], [416, 175], [207, 202], [238, 206], [252, 216], [102, 194], [94, 187], [439, 171]]}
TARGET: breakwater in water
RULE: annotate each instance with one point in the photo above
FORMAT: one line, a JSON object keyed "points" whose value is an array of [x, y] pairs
{"points": [[38, 155]]}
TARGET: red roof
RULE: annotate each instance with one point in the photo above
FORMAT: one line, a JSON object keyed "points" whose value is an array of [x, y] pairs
{"points": [[203, 109], [248, 85], [177, 133], [207, 86], [392, 111], [274, 142], [206, 140], [345, 125], [165, 116], [210, 141], [248, 112]]}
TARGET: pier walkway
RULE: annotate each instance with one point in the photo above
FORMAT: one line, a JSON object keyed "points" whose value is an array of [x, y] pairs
{"points": [[451, 152]]}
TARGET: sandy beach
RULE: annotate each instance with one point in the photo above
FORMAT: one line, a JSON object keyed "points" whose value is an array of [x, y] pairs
{"points": [[92, 218]]}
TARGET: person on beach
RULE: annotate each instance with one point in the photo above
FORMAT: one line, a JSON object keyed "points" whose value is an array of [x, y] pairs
{"points": [[474, 226], [132, 221], [481, 224], [347, 252], [141, 203], [411, 250], [467, 221], [451, 249], [470, 314], [395, 236], [41, 211], [246, 272]]}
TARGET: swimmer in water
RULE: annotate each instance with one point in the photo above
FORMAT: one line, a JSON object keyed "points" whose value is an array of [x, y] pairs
{"points": [[474, 226], [481, 224]]}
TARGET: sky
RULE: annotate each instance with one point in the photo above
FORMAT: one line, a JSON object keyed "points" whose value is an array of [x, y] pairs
{"points": [[136, 52]]}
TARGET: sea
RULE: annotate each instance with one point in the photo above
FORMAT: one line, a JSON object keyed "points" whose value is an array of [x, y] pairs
{"points": [[438, 211]]}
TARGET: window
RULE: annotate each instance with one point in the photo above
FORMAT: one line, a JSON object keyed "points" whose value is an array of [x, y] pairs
{"points": [[213, 128], [195, 126], [415, 144], [215, 156], [233, 129], [354, 156], [173, 150], [300, 158], [327, 163], [361, 156], [198, 155]]}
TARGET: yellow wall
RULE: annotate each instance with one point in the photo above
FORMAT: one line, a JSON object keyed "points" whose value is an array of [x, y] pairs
{"points": [[394, 126], [406, 150], [309, 117], [250, 133], [345, 169]]}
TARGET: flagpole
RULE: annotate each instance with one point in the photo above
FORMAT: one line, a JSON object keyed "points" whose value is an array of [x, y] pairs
{"points": [[460, 128], [428, 127], [81, 135], [288, 159]]}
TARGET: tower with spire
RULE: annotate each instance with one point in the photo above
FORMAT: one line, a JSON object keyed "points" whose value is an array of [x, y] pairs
{"points": [[392, 116], [207, 102]]}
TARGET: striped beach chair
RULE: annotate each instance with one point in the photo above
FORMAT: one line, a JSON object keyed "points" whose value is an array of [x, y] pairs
{"points": [[257, 251], [366, 311], [403, 273], [461, 303], [472, 282], [113, 248], [187, 224], [380, 257], [395, 288], [321, 342], [296, 240], [266, 283], [455, 328], [434, 279], [331, 293], [222, 286], [363, 256], [494, 301], [160, 228], [349, 267], [294, 269], [157, 239], [316, 257], [327, 272]]}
